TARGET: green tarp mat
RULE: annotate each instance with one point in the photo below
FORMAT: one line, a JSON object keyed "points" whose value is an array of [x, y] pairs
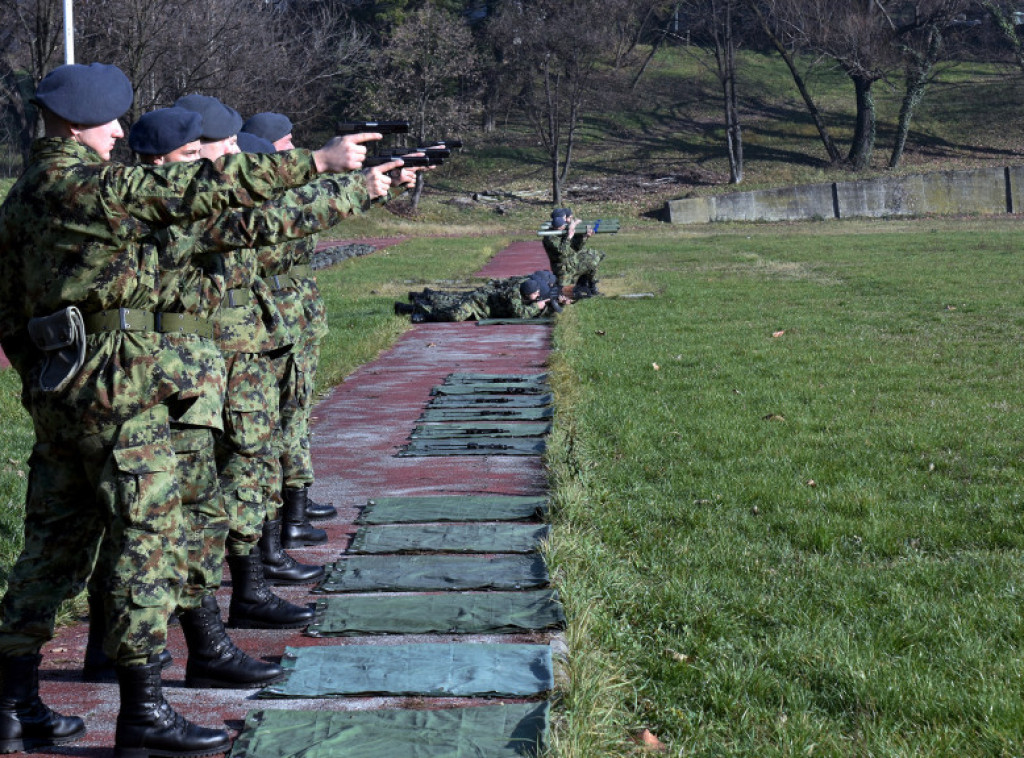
{"points": [[491, 401], [479, 429], [490, 388], [438, 613], [513, 321], [407, 510], [474, 446], [465, 378], [515, 730], [397, 573], [486, 414], [449, 538], [440, 670]]}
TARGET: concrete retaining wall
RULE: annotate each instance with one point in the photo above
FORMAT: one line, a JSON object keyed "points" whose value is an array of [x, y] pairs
{"points": [[982, 191]]}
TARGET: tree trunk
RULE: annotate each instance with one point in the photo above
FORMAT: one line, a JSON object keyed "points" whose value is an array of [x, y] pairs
{"points": [[864, 129], [918, 73], [826, 139], [733, 129], [417, 192]]}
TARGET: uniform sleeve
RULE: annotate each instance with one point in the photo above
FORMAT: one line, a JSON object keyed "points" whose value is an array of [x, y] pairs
{"points": [[178, 193], [292, 215]]}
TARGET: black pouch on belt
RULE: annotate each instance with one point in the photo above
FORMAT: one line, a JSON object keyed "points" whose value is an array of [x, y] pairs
{"points": [[61, 337]]}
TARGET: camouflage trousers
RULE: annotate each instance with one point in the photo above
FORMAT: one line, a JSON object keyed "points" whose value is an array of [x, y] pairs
{"points": [[455, 306], [248, 452], [577, 263], [118, 488], [206, 520], [297, 385]]}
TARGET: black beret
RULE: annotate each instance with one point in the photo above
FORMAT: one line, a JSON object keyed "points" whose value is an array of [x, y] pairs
{"points": [[219, 121], [162, 131], [270, 126], [250, 143], [87, 95], [529, 286]]}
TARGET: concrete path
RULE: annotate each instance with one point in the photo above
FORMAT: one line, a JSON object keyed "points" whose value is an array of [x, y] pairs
{"points": [[358, 429]]}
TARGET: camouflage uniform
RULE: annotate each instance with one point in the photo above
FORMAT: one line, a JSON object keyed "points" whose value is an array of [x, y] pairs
{"points": [[571, 258], [499, 298], [257, 341], [103, 459]]}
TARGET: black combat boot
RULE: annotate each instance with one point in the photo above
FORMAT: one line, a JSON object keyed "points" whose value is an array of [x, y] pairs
{"points": [[278, 566], [296, 530], [213, 659], [403, 309], [147, 724], [25, 721], [316, 511], [253, 605], [98, 666]]}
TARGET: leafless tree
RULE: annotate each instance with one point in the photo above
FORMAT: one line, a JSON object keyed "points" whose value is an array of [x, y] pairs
{"points": [[919, 38], [427, 74], [561, 42], [715, 22], [30, 45]]}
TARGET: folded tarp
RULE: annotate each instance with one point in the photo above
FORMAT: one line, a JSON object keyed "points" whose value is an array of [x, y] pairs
{"points": [[514, 321], [491, 388], [439, 670], [491, 401], [515, 730], [473, 446], [438, 613], [471, 429], [398, 573], [449, 538], [459, 377], [405, 510], [486, 414]]}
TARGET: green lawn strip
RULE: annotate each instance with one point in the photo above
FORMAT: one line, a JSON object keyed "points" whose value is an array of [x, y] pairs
{"points": [[786, 498]]}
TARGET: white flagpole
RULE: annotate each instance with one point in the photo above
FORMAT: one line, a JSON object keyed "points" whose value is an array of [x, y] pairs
{"points": [[69, 32]]}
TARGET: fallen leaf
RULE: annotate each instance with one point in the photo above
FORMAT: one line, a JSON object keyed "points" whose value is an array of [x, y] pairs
{"points": [[811, 483], [677, 656], [599, 332], [755, 511], [779, 333], [431, 344], [656, 367], [774, 417], [649, 741]]}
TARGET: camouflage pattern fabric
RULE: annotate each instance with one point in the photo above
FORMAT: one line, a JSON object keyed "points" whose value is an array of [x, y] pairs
{"points": [[570, 258], [499, 298], [136, 503], [70, 230]]}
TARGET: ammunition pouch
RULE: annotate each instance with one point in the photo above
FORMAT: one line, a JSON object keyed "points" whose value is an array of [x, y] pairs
{"points": [[61, 338]]}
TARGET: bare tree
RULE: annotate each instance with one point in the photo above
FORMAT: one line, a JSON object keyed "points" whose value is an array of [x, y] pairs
{"points": [[919, 38], [785, 39], [30, 45], [428, 74], [715, 23], [561, 43], [1002, 13]]}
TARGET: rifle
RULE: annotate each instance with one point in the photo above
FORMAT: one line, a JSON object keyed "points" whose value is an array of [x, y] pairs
{"points": [[601, 226], [382, 127]]}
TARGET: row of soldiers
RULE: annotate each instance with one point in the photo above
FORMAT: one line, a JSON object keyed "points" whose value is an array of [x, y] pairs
{"points": [[164, 321], [573, 276]]}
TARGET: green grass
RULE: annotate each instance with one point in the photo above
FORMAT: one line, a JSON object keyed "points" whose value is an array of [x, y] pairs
{"points": [[807, 543]]}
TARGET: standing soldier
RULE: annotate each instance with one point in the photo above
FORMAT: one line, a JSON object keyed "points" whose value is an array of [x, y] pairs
{"points": [[79, 321]]}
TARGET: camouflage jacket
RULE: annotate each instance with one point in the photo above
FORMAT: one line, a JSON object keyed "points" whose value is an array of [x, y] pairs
{"points": [[71, 230], [298, 297], [505, 301]]}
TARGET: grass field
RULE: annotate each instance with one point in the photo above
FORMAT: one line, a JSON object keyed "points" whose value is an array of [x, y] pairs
{"points": [[789, 514]]}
